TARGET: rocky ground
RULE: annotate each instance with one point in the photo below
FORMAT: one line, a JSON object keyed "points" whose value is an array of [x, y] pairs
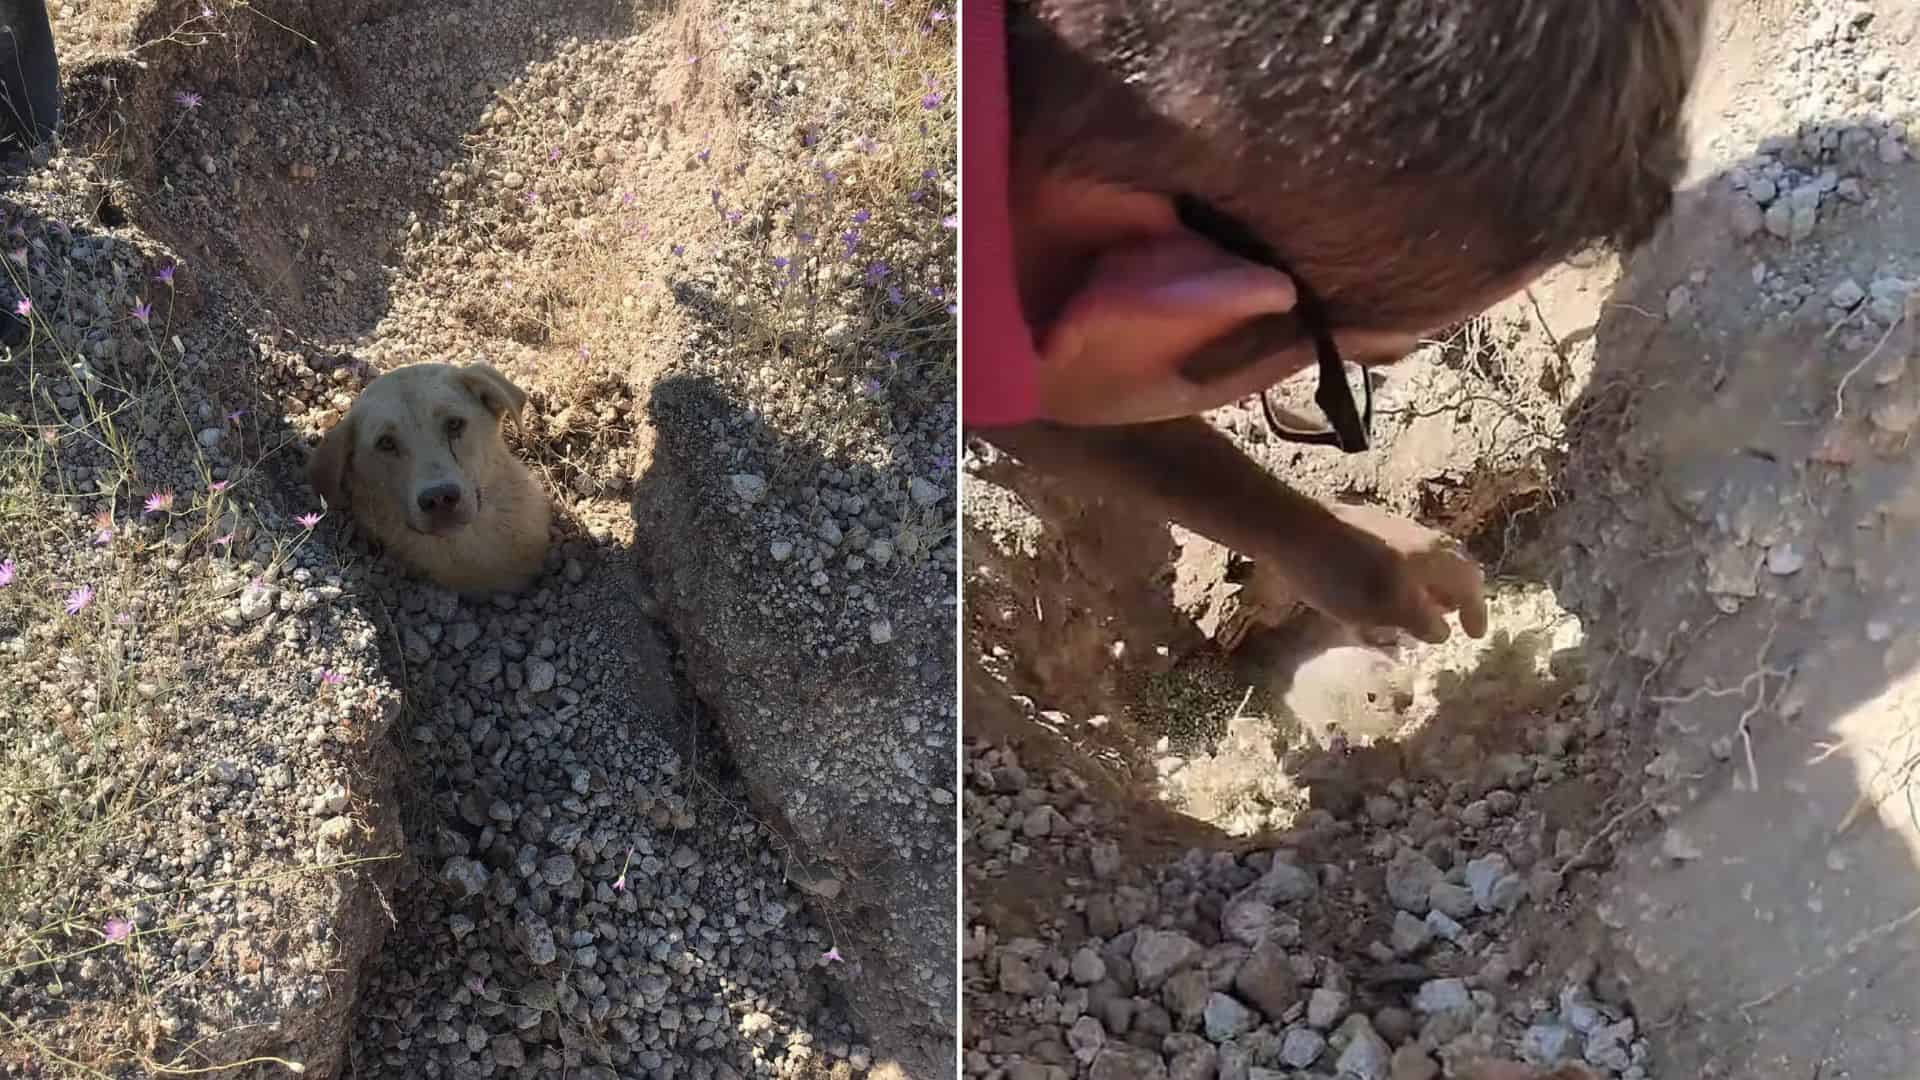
{"points": [[684, 806], [1655, 825]]}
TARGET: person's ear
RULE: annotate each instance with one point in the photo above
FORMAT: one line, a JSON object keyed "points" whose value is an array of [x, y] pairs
{"points": [[1170, 325]]}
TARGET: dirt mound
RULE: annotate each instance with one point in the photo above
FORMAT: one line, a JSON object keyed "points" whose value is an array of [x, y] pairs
{"points": [[607, 203]]}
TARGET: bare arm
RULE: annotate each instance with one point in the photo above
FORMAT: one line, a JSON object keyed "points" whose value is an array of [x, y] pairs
{"points": [[1186, 471]]}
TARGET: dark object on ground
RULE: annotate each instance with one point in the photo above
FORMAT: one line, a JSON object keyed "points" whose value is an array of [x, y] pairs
{"points": [[29, 75]]}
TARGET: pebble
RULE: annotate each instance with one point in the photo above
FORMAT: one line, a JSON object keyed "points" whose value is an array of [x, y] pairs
{"points": [[1159, 953], [1410, 1062], [923, 492], [541, 676], [1545, 1044], [1087, 966], [1085, 1038], [1443, 996], [1367, 1056], [1411, 877], [1410, 932], [1847, 295], [1325, 1007], [781, 550], [749, 487], [1301, 1047], [1455, 901], [1226, 1018]]}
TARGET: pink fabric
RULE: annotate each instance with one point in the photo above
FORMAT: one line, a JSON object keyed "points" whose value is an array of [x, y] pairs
{"points": [[998, 361]]}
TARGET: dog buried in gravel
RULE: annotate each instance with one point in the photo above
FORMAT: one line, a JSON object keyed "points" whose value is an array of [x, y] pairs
{"points": [[420, 461]]}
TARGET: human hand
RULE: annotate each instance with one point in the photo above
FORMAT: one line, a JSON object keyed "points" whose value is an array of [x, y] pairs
{"points": [[1388, 571]]}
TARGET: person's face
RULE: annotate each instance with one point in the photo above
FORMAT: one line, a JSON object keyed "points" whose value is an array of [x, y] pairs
{"points": [[1141, 317]]}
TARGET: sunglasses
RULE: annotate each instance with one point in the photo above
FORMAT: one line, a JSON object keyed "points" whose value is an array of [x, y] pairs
{"points": [[1345, 426]]}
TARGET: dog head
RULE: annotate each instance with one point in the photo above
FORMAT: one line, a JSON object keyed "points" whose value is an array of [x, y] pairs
{"points": [[420, 447]]}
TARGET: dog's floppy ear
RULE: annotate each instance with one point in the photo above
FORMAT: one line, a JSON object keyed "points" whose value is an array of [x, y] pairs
{"points": [[493, 390], [332, 462]]}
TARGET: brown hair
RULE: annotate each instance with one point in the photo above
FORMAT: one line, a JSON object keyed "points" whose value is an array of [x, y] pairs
{"points": [[1402, 155]]}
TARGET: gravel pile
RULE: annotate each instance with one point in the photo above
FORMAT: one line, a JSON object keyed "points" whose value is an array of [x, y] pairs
{"points": [[195, 792], [1384, 943]]}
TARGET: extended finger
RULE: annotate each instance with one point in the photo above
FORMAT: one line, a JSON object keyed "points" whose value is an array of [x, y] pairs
{"points": [[1455, 581]]}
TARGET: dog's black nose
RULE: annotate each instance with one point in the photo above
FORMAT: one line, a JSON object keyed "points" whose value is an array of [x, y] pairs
{"points": [[440, 498]]}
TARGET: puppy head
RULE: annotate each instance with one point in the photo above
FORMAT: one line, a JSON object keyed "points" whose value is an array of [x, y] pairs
{"points": [[419, 447]]}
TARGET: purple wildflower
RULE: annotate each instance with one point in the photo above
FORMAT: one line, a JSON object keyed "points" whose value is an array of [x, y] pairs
{"points": [[330, 677], [117, 930], [24, 308], [851, 238], [733, 217], [704, 154], [832, 956], [309, 519], [123, 618], [103, 527], [876, 273], [7, 570], [951, 221], [861, 217], [932, 100], [187, 99], [143, 312], [780, 262], [78, 599], [218, 486], [894, 297], [679, 249], [159, 501], [165, 275], [553, 154]]}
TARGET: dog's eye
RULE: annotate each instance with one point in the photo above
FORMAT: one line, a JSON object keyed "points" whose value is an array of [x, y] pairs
{"points": [[386, 443], [455, 425]]}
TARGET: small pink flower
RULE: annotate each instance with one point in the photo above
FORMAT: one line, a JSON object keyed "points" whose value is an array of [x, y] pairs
{"points": [[186, 99], [159, 501], [620, 883], [951, 221], [143, 312], [309, 520], [7, 570], [50, 435], [103, 527], [477, 983], [78, 599], [553, 154], [118, 929], [124, 618], [24, 308], [832, 956], [330, 677], [218, 486], [223, 540]]}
